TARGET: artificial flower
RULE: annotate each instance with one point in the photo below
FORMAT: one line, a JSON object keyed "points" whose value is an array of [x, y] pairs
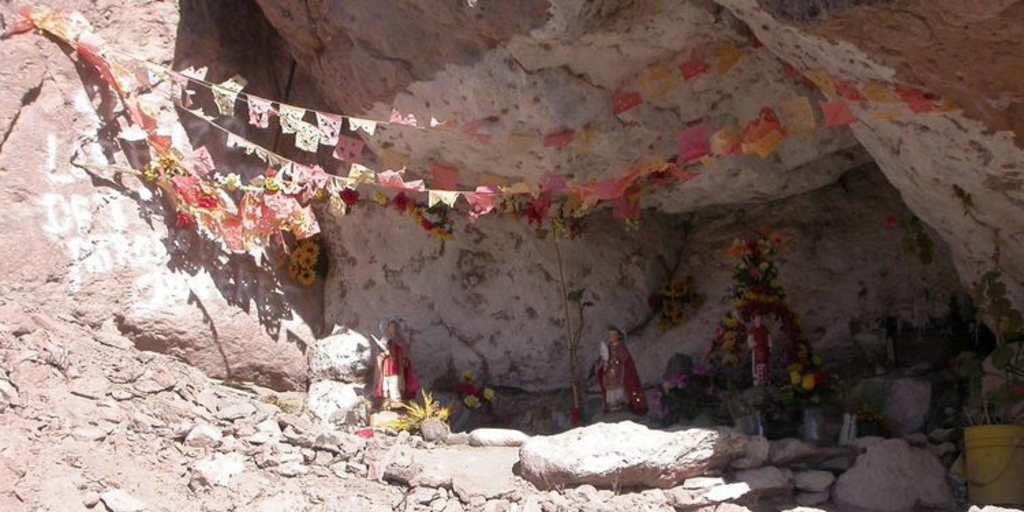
{"points": [[232, 182], [350, 196], [184, 220], [306, 276], [489, 394], [468, 376], [471, 401], [208, 202], [401, 202], [795, 377], [807, 382], [380, 198]]}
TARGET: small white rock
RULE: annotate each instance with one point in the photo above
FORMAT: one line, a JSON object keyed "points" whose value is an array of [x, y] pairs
{"points": [[119, 501], [203, 435]]}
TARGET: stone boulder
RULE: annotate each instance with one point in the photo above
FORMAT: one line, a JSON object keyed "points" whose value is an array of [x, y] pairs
{"points": [[217, 469], [907, 402], [626, 455], [497, 437], [343, 356], [766, 481], [813, 481], [891, 476], [328, 400], [758, 450]]}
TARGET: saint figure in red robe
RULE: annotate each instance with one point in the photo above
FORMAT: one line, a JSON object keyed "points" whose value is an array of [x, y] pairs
{"points": [[760, 344], [617, 375], [394, 380]]}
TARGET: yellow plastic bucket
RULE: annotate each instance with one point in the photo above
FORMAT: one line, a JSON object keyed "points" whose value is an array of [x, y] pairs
{"points": [[995, 464]]}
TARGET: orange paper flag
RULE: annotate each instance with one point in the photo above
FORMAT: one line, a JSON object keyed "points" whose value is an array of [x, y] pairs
{"points": [[624, 101], [725, 142], [762, 135]]}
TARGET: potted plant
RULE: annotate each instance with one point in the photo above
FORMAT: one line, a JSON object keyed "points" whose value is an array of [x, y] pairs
{"points": [[994, 410]]}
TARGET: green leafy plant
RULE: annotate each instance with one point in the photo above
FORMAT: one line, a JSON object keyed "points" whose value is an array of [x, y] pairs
{"points": [[916, 241], [995, 390], [415, 414]]}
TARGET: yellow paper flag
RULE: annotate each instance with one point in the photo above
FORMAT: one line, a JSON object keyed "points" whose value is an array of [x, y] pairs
{"points": [[657, 82], [728, 56], [823, 81], [519, 188], [764, 146], [394, 160], [797, 115], [492, 180], [880, 93]]}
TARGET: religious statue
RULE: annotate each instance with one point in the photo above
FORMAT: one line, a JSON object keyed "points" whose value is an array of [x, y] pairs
{"points": [[394, 380], [617, 375], [760, 344]]}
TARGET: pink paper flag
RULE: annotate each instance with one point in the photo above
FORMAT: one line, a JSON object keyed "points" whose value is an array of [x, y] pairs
{"points": [[472, 129], [259, 111], [693, 143], [393, 179], [330, 127], [481, 201], [559, 140], [349, 149], [445, 178], [398, 118], [200, 162], [837, 113]]}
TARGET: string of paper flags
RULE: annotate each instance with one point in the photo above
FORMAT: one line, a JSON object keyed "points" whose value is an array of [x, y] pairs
{"points": [[246, 217]]}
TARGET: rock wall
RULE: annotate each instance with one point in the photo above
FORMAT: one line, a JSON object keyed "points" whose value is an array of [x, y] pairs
{"points": [[89, 244], [926, 156], [490, 300]]}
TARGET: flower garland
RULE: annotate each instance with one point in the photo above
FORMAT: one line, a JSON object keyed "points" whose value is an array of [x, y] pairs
{"points": [[472, 396], [756, 292], [672, 301]]}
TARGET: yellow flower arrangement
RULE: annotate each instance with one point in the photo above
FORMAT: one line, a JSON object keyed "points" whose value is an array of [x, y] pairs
{"points": [[302, 264]]}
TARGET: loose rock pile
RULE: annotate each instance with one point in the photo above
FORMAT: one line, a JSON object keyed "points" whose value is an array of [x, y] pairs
{"points": [[98, 425]]}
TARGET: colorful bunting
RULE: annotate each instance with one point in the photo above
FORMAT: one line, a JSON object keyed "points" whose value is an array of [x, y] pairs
{"points": [[553, 183], [493, 181], [693, 68], [393, 179], [762, 135], [823, 81], [366, 125], [797, 116], [693, 144], [330, 127], [349, 149], [726, 142], [846, 90], [307, 137], [625, 101], [914, 98], [259, 111], [225, 93], [442, 196], [481, 201], [398, 118], [656, 82], [394, 160], [199, 162], [879, 93], [444, 177], [290, 118], [728, 55], [361, 174], [837, 113], [559, 140]]}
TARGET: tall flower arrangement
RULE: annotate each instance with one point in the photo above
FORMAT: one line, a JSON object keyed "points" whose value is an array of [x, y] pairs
{"points": [[756, 291]]}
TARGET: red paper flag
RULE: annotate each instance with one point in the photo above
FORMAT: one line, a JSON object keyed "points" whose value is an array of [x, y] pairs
{"points": [[559, 140], [693, 68], [445, 178], [623, 101], [837, 113], [349, 149], [693, 144], [849, 91], [915, 98]]}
